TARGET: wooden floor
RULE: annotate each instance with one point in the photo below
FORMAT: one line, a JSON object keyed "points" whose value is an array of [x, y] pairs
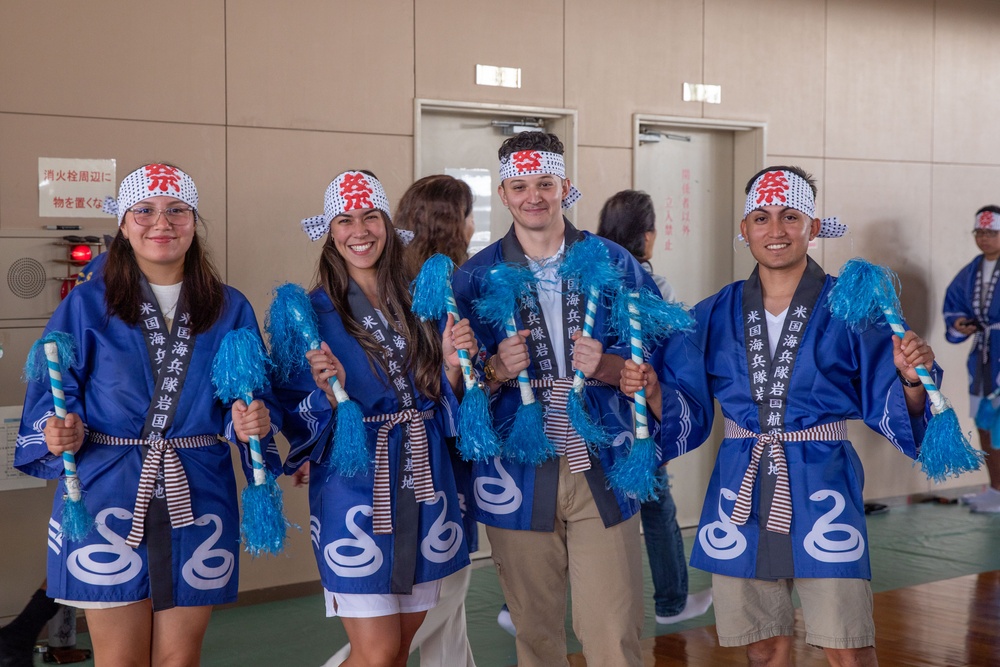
{"points": [[951, 623]]}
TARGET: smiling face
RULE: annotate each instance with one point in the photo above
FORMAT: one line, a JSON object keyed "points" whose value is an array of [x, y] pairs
{"points": [[535, 201], [160, 248], [359, 236], [779, 236]]}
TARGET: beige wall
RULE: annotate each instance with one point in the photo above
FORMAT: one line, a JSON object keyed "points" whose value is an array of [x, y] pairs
{"points": [[890, 102]]}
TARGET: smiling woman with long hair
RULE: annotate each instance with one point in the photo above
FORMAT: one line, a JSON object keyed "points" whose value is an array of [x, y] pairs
{"points": [[148, 435], [385, 536]]}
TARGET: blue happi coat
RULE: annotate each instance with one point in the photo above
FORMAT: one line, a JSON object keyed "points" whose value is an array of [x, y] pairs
{"points": [[350, 556], [838, 375], [112, 390], [508, 494], [958, 302]]}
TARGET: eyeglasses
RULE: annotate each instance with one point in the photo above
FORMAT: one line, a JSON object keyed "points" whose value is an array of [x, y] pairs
{"points": [[146, 216], [987, 233]]}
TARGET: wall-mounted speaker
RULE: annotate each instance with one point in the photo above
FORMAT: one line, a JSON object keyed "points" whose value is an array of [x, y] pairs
{"points": [[29, 265], [26, 278]]}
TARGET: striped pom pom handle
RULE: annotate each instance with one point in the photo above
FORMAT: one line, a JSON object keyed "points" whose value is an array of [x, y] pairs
{"points": [[338, 389], [59, 401], [588, 332], [463, 355], [256, 454], [937, 400], [523, 382], [635, 341]]}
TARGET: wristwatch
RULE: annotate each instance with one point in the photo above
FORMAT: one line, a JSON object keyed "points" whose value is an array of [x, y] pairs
{"points": [[489, 371], [907, 383]]}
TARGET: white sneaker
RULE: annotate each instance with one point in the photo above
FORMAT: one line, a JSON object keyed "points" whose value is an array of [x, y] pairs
{"points": [[505, 622], [986, 508], [990, 495], [696, 605]]}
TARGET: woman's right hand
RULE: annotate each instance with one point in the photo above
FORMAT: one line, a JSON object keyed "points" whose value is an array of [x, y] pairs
{"points": [[64, 435], [641, 376], [324, 366]]}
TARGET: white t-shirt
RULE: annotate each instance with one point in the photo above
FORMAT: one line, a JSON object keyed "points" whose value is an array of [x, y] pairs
{"points": [[988, 266], [166, 297], [550, 302], [774, 324]]}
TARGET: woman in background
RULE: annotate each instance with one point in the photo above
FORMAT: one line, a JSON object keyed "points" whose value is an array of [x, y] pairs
{"points": [[629, 219]]}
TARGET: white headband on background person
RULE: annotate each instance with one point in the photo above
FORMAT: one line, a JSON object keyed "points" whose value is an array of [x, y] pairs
{"points": [[786, 188], [151, 180], [531, 162], [351, 191], [987, 220]]}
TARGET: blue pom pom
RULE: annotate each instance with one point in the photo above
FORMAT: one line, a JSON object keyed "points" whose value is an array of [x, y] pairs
{"points": [[350, 440], [477, 441], [76, 520], [241, 366], [36, 367], [986, 414], [264, 526], [595, 435], [658, 318], [587, 261], [292, 329], [635, 474], [432, 287], [506, 286], [945, 451], [862, 292], [526, 443]]}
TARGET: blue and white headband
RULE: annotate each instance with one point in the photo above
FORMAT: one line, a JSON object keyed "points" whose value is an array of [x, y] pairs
{"points": [[351, 191], [530, 162], [786, 188], [152, 180]]}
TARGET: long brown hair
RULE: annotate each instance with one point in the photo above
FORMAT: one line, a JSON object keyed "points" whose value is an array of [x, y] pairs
{"points": [[435, 209], [203, 288], [424, 356]]}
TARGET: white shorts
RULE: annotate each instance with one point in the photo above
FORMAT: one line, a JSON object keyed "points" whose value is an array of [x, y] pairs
{"points": [[87, 604], [369, 605]]}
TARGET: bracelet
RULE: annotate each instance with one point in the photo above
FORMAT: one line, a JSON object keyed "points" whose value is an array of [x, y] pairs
{"points": [[907, 383], [490, 371]]}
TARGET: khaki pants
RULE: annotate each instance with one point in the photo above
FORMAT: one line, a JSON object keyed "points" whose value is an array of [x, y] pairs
{"points": [[604, 568]]}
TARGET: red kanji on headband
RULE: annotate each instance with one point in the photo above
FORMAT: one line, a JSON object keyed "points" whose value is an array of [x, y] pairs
{"points": [[356, 191], [985, 220], [527, 160], [162, 178], [771, 188]]}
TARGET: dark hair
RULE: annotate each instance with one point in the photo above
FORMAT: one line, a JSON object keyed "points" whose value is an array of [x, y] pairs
{"points": [[203, 288], [798, 171], [991, 208], [625, 218], [435, 209], [535, 141], [424, 356]]}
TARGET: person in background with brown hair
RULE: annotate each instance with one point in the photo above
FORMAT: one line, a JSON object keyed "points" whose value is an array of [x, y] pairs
{"points": [[140, 403]]}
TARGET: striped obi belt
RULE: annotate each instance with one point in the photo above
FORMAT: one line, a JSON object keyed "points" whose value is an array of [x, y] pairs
{"points": [[176, 491], [779, 519], [423, 482], [557, 427]]}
